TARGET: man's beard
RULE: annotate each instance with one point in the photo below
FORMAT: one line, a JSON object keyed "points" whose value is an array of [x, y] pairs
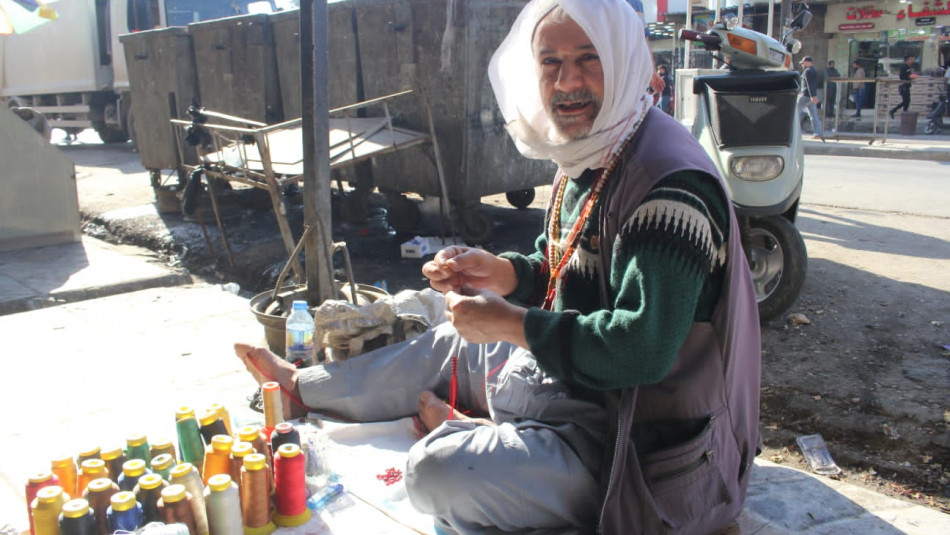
{"points": [[573, 126]]}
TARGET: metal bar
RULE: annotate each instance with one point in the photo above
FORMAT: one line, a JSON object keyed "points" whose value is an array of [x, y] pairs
{"points": [[314, 74], [447, 208], [280, 210], [370, 102], [217, 216]]}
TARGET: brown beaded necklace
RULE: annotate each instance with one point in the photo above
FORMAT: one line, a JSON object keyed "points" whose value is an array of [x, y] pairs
{"points": [[555, 259]]}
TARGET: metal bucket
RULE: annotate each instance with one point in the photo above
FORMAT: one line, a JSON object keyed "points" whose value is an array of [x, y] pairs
{"points": [[272, 313]]}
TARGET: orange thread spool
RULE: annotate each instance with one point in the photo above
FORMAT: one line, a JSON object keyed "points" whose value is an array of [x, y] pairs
{"points": [[65, 469], [89, 470], [255, 492], [175, 506], [238, 451], [273, 407], [114, 458], [217, 457], [290, 494], [255, 436], [99, 495]]}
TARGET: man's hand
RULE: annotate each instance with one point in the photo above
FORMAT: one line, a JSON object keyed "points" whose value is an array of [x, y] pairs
{"points": [[657, 83], [456, 267], [482, 317], [814, 100]]}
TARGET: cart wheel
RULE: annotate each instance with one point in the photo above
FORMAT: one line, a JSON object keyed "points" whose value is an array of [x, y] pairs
{"points": [[403, 215], [521, 198], [476, 226]]}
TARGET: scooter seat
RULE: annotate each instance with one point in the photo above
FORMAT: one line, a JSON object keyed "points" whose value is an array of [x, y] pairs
{"points": [[747, 81]]}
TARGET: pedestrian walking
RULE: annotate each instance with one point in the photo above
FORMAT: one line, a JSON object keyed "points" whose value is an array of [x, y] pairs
{"points": [[858, 88], [907, 74], [808, 97], [831, 89]]}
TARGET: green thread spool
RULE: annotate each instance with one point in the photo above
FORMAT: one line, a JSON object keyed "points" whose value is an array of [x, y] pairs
{"points": [[189, 440], [162, 465], [187, 474], [224, 506], [148, 492], [46, 508], [114, 458], [137, 448]]}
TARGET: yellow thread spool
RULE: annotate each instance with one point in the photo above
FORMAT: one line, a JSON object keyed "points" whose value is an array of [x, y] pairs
{"points": [[217, 457], [46, 508], [273, 407]]}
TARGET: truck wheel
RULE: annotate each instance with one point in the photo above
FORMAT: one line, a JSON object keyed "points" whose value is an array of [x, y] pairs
{"points": [[778, 261], [109, 134]]}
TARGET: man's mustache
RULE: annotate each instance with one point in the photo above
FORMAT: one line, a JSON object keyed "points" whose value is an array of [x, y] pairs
{"points": [[560, 97]]}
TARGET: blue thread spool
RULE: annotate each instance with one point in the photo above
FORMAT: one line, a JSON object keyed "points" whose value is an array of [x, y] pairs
{"points": [[124, 512]]}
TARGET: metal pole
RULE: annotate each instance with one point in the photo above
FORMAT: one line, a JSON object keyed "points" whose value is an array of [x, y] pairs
{"points": [[768, 28], [314, 71], [786, 15], [741, 13], [689, 26], [718, 11]]}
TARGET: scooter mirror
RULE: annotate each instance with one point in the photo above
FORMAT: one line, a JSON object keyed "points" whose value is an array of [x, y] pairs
{"points": [[801, 20]]}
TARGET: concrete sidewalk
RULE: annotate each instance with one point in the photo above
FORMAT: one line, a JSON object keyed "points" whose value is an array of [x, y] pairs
{"points": [[96, 371]]}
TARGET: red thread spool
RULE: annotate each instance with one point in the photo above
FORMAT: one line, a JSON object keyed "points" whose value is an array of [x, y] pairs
{"points": [[290, 494], [33, 485], [99, 495], [175, 506]]}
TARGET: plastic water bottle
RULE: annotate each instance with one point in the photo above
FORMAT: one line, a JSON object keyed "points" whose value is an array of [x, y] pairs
{"points": [[299, 349]]}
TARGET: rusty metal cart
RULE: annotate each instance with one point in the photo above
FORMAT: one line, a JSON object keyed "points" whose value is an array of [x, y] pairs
{"points": [[270, 157]]}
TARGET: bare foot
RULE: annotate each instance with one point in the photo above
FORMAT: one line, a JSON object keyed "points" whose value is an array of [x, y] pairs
{"points": [[433, 411], [266, 366]]}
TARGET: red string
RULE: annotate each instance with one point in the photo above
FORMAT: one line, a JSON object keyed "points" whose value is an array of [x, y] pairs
{"points": [[289, 393], [454, 386]]}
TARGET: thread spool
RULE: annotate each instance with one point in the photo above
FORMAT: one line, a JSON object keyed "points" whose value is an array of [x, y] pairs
{"points": [[46, 508], [125, 513], [147, 492], [99, 494], [65, 469], [132, 470], [91, 452], [33, 486], [160, 528], [224, 506], [89, 470], [162, 465], [223, 414], [255, 435], [210, 425], [238, 451], [255, 496], [273, 407], [137, 448], [77, 518], [114, 458], [175, 505], [186, 474], [160, 446], [217, 457], [284, 433], [189, 441], [183, 412], [290, 491]]}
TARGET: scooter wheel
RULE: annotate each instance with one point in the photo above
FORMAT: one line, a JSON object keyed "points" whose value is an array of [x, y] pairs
{"points": [[930, 128], [778, 261]]}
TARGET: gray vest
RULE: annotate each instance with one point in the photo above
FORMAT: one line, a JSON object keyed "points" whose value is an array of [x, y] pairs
{"points": [[679, 451]]}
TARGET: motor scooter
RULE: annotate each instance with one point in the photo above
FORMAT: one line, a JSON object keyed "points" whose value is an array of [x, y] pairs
{"points": [[746, 117], [935, 124]]}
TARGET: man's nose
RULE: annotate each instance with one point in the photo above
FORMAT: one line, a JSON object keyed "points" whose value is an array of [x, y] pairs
{"points": [[569, 77]]}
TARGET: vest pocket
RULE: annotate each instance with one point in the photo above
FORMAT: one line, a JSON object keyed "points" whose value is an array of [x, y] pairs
{"points": [[685, 480]]}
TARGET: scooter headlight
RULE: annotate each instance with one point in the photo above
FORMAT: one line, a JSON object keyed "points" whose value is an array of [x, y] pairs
{"points": [[757, 168]]}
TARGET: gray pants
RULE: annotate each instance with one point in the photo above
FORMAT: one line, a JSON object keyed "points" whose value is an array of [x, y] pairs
{"points": [[536, 468]]}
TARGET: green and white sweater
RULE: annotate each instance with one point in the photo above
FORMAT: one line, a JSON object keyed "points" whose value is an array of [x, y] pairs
{"points": [[666, 272]]}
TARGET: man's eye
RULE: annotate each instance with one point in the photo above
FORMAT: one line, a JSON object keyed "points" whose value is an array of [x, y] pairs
{"points": [[550, 61], [590, 57]]}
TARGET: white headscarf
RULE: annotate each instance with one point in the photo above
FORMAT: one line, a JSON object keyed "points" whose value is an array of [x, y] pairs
{"points": [[616, 31]]}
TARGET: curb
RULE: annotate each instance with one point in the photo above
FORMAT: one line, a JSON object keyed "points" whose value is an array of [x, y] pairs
{"points": [[833, 148]]}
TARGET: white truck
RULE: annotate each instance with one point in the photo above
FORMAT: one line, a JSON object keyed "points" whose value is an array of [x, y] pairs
{"points": [[72, 70]]}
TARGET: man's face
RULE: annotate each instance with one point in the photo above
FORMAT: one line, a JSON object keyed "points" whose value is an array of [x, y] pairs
{"points": [[571, 76]]}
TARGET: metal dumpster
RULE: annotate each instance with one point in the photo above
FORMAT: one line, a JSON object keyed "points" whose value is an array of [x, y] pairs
{"points": [[416, 44], [163, 85], [237, 67]]}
